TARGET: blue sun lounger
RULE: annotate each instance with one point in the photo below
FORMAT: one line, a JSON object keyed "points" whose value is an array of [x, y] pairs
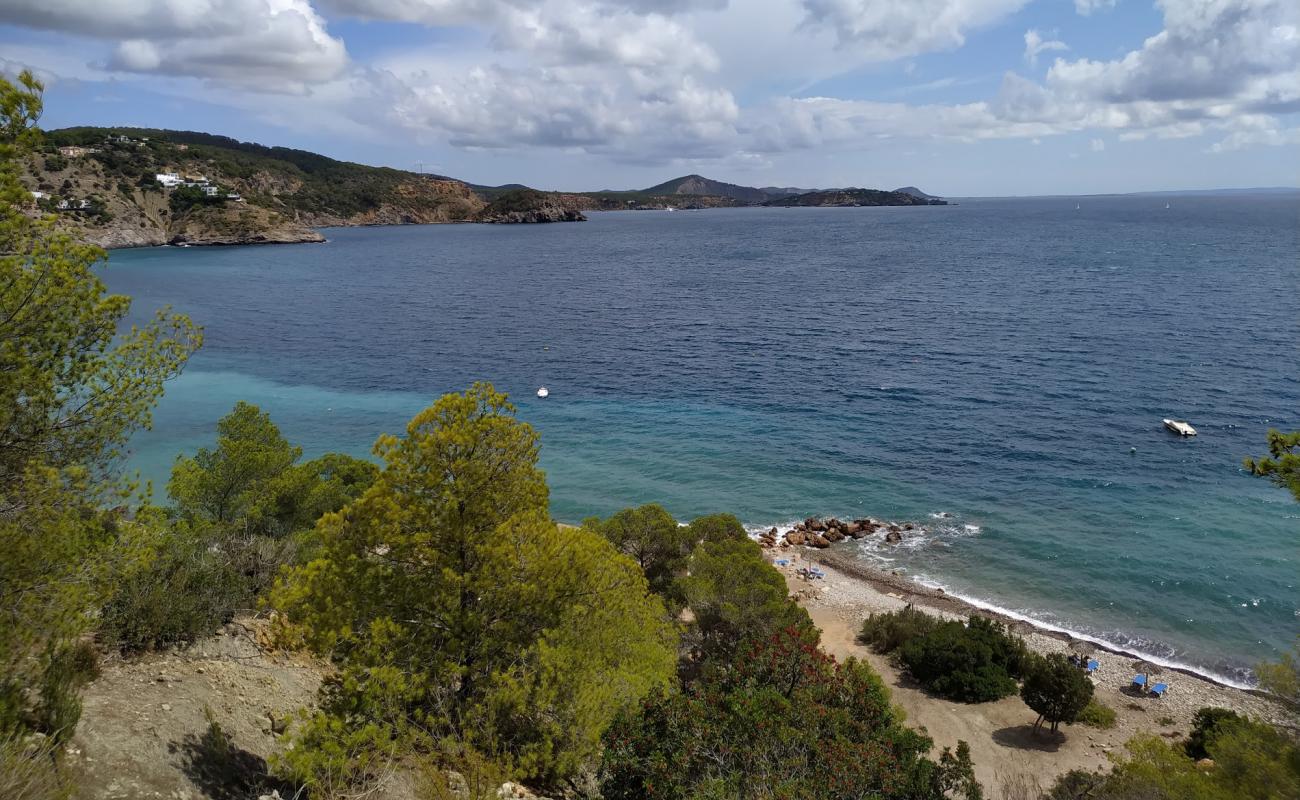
{"points": [[1159, 689], [1140, 681], [1092, 665]]}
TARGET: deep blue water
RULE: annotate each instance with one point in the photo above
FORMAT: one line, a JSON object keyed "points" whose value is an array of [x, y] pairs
{"points": [[995, 360]]}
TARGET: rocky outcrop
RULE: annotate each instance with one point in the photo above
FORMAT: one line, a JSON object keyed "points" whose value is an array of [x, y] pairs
{"points": [[822, 533], [528, 206]]}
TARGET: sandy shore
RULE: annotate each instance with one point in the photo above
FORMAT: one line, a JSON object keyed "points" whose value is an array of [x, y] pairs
{"points": [[1000, 734]]}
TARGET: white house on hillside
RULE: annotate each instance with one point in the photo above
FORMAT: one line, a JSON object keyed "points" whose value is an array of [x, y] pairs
{"points": [[168, 180]]}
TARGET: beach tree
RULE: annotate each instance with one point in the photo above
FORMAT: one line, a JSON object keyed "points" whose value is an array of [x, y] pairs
{"points": [[736, 597], [1056, 689], [653, 539], [716, 528], [1282, 677], [1282, 464], [74, 386], [782, 720], [456, 609]]}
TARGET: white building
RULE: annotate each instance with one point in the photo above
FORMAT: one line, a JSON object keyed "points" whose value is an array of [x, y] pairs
{"points": [[210, 190], [39, 195], [168, 180]]}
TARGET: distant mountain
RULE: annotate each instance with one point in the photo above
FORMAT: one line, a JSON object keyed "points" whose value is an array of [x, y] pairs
{"points": [[700, 185], [915, 192], [855, 197]]}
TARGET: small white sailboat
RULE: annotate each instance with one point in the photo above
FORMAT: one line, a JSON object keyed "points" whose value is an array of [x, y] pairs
{"points": [[1179, 427], [1076, 206], [543, 392]]}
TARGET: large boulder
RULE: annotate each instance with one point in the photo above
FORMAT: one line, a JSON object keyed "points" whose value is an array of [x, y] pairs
{"points": [[819, 541], [796, 538], [894, 536]]}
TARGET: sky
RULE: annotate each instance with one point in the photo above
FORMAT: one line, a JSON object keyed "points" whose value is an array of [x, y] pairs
{"points": [[958, 97]]}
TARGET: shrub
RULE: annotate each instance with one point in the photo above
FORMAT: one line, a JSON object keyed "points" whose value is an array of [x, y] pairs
{"points": [[1057, 689], [181, 588], [783, 721], [29, 770], [971, 663], [887, 632], [1207, 724], [1097, 715], [654, 540]]}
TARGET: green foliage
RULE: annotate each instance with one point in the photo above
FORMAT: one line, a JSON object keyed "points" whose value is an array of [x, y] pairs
{"points": [[1097, 715], [182, 587], [735, 596], [55, 162], [1207, 723], [972, 663], [515, 200], [29, 770], [183, 198], [716, 528], [1282, 466], [887, 632], [228, 484], [1251, 761], [455, 608], [783, 721], [72, 390], [1056, 689], [654, 540], [1282, 677]]}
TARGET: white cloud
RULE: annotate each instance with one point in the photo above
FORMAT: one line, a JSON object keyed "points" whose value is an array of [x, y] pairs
{"points": [[886, 30], [271, 44], [1036, 44], [1088, 7]]}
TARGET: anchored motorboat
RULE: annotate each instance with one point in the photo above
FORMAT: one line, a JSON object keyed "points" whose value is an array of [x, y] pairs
{"points": [[543, 392], [1180, 427]]}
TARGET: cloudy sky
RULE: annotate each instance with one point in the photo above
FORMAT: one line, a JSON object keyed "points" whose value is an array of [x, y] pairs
{"points": [[959, 97]]}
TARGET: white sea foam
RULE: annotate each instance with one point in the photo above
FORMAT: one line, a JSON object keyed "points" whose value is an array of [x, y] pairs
{"points": [[1128, 649], [874, 548]]}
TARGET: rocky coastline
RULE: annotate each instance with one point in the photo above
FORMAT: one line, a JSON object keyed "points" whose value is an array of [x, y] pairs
{"points": [[820, 534]]}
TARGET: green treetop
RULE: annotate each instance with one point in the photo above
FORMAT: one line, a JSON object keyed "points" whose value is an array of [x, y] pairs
{"points": [[456, 608], [1283, 468], [73, 388]]}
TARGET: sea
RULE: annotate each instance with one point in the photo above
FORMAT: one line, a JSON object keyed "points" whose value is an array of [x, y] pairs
{"points": [[995, 371]]}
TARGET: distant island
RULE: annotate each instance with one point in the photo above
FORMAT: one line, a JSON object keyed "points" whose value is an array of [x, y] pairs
{"points": [[139, 187]]}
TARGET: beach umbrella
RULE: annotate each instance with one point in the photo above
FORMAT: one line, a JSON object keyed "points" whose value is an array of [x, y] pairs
{"points": [[1146, 667], [1083, 647]]}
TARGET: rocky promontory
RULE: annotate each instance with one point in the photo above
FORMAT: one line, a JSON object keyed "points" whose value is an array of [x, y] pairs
{"points": [[822, 533], [528, 206]]}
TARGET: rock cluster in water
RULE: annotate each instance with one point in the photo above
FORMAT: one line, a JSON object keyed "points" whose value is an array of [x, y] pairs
{"points": [[819, 533]]}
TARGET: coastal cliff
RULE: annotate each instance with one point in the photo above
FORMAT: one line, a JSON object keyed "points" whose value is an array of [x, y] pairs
{"points": [[141, 187], [528, 206]]}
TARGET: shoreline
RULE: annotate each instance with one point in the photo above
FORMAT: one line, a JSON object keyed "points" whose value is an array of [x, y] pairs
{"points": [[937, 598], [880, 590], [1003, 744]]}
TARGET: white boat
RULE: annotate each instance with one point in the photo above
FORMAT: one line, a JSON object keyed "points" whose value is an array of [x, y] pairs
{"points": [[1179, 427], [543, 392]]}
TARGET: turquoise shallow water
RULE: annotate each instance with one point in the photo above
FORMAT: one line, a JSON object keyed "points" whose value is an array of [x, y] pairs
{"points": [[983, 369]]}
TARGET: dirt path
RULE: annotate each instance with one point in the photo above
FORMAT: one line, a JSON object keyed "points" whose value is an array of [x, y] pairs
{"points": [[145, 732]]}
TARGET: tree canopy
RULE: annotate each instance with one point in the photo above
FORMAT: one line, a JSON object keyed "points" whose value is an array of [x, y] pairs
{"points": [[653, 539], [455, 607], [73, 387], [1056, 689], [1282, 465], [784, 720]]}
